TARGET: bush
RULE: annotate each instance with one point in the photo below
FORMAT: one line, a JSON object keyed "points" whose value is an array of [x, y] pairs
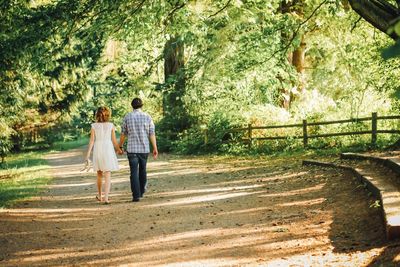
{"points": [[193, 140], [5, 147]]}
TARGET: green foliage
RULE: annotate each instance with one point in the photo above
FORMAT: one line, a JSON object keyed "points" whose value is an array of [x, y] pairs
{"points": [[5, 147], [60, 60], [375, 204], [393, 50]]}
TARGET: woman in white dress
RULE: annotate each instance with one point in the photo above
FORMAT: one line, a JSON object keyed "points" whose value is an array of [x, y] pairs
{"points": [[103, 142]]}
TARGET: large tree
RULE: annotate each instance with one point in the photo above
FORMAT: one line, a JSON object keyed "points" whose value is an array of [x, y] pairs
{"points": [[217, 55]]}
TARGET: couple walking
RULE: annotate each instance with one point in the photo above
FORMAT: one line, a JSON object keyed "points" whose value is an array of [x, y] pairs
{"points": [[138, 128]]}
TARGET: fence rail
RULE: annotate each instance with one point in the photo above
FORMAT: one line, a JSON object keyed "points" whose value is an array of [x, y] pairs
{"points": [[305, 126]]}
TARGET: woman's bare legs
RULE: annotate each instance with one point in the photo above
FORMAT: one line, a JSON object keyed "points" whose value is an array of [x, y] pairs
{"points": [[107, 185], [99, 182]]}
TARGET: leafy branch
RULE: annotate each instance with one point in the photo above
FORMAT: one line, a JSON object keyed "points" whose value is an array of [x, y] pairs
{"points": [[296, 32], [222, 9], [135, 10]]}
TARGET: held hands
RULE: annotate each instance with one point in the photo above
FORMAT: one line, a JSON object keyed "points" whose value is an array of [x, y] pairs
{"points": [[120, 151]]}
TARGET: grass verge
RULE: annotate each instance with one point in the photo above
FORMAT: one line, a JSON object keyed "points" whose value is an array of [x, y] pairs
{"points": [[22, 176], [25, 174], [62, 146]]}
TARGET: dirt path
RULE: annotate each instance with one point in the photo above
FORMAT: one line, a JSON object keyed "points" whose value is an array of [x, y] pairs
{"points": [[198, 211]]}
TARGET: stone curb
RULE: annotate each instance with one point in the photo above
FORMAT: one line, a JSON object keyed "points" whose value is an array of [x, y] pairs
{"points": [[385, 195], [391, 164]]}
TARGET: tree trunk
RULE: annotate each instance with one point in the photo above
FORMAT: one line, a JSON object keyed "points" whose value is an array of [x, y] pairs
{"points": [[298, 61], [175, 115], [297, 57]]}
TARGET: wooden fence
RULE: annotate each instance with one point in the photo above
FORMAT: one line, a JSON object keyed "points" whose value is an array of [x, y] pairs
{"points": [[305, 125]]}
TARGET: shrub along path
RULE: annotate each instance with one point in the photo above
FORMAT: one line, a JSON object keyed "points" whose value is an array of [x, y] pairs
{"points": [[198, 211]]}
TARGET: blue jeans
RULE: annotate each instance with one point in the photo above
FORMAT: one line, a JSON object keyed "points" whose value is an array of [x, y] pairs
{"points": [[137, 164]]}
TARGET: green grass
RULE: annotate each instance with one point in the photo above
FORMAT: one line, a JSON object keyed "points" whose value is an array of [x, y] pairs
{"points": [[15, 189], [62, 146], [25, 174], [22, 176]]}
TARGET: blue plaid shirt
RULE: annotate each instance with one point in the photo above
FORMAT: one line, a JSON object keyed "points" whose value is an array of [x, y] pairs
{"points": [[138, 126]]}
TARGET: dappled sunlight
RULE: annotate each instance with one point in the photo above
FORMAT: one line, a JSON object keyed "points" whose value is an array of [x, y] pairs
{"points": [[185, 162], [393, 219], [263, 178], [207, 190], [174, 172], [160, 164], [36, 211], [27, 233], [391, 194], [82, 196], [164, 248], [69, 185], [116, 179], [68, 171], [304, 203], [200, 212], [45, 251], [284, 176], [228, 169], [247, 94], [296, 192], [397, 258], [60, 156], [204, 198], [322, 259], [247, 211]]}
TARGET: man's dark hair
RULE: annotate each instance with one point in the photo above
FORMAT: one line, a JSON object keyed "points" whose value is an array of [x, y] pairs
{"points": [[137, 103]]}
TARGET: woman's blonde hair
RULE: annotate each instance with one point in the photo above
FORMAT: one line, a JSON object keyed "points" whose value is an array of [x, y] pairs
{"points": [[103, 114]]}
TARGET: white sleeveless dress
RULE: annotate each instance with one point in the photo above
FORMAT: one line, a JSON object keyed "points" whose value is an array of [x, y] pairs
{"points": [[104, 157]]}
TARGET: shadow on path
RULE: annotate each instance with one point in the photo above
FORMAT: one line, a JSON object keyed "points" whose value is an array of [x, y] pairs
{"points": [[198, 210]]}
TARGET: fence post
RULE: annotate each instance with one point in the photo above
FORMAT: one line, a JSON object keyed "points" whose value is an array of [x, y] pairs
{"points": [[305, 136], [374, 126], [249, 132]]}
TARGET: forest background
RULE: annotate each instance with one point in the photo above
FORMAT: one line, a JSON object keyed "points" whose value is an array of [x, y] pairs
{"points": [[198, 65]]}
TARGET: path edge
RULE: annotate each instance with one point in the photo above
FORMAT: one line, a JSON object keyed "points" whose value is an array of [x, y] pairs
{"points": [[392, 230]]}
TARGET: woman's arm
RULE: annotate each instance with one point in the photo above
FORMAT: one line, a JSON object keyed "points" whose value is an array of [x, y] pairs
{"points": [[124, 132], [91, 142], [114, 141]]}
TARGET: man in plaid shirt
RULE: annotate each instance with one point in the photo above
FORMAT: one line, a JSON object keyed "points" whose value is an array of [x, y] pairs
{"points": [[138, 127]]}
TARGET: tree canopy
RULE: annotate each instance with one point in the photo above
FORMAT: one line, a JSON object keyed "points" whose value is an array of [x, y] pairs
{"points": [[194, 62]]}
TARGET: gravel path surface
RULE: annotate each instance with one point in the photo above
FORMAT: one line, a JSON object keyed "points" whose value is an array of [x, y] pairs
{"points": [[198, 211]]}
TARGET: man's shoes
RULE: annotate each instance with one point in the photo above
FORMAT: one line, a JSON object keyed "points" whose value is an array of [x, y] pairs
{"points": [[135, 200]]}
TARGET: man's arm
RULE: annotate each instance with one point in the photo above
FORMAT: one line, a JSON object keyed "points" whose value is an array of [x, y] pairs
{"points": [[152, 137], [154, 145]]}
